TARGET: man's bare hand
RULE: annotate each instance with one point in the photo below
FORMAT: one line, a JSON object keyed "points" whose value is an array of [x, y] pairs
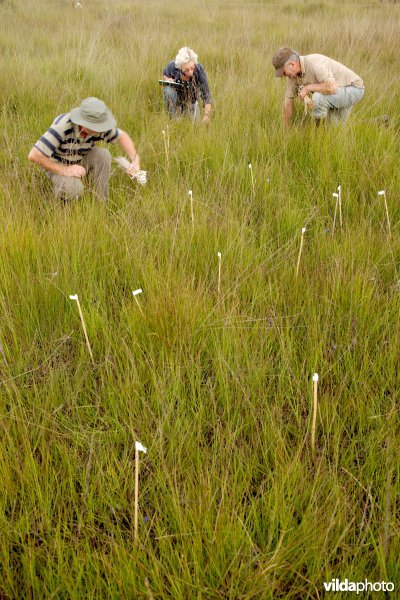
{"points": [[74, 171], [303, 92], [135, 166], [308, 103]]}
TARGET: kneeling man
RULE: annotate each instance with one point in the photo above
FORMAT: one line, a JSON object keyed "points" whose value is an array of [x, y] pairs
{"points": [[329, 88], [67, 151]]}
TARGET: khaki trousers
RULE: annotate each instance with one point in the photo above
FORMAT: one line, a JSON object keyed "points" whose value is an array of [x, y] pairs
{"points": [[98, 166]]}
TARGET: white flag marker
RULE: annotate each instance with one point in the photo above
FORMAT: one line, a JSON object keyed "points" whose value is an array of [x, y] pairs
{"points": [[138, 448], [303, 230], [315, 409], [135, 294], [383, 193], [75, 297]]}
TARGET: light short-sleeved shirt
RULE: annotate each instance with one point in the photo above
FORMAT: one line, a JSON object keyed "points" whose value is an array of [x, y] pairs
{"points": [[317, 68], [64, 142]]}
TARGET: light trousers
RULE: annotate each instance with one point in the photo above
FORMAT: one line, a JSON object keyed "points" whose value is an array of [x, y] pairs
{"points": [[336, 107], [98, 166]]}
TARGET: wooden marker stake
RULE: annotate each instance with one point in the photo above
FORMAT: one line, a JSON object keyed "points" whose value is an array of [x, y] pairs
{"points": [[335, 195], [138, 448], [135, 293], [383, 193], [191, 207], [219, 273], [315, 409], [75, 297], [340, 206], [166, 145], [300, 250], [252, 179]]}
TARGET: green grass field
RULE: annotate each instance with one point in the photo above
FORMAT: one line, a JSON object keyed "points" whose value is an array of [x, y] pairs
{"points": [[233, 502]]}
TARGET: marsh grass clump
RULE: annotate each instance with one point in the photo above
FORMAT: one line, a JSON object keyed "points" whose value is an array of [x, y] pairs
{"points": [[240, 497]]}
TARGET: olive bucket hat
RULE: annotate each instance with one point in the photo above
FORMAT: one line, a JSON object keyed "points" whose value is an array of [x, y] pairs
{"points": [[93, 114]]}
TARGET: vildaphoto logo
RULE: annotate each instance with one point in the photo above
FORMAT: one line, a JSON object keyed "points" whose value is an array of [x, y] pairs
{"points": [[358, 586]]}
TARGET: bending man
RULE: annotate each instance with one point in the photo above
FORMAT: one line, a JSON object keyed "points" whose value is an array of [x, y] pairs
{"points": [[192, 83], [329, 88], [67, 151]]}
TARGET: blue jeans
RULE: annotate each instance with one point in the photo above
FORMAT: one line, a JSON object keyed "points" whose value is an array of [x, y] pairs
{"points": [[175, 108], [336, 107]]}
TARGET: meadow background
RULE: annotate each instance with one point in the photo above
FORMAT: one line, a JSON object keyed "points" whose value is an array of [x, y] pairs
{"points": [[233, 503]]}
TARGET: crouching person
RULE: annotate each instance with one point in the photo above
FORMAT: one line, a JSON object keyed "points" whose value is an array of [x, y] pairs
{"points": [[67, 151], [189, 84], [329, 88]]}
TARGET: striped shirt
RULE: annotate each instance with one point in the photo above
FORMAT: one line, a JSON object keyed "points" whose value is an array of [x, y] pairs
{"points": [[64, 142]]}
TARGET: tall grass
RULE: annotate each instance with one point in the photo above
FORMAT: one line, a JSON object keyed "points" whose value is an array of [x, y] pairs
{"points": [[232, 502]]}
